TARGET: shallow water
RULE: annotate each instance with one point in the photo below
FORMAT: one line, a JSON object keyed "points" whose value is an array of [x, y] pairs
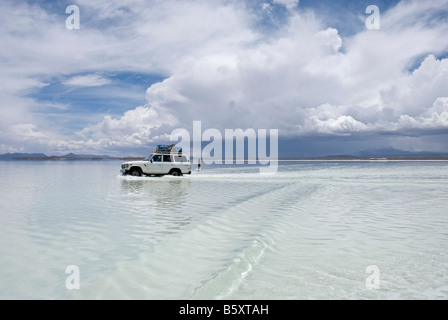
{"points": [[226, 232]]}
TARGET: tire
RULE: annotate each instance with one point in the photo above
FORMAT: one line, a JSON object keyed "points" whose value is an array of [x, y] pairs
{"points": [[135, 173], [176, 173]]}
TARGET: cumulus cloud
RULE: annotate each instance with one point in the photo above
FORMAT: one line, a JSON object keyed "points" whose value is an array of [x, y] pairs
{"points": [[90, 80], [435, 117], [341, 125], [302, 83], [412, 93], [220, 68], [135, 127], [290, 4], [26, 131]]}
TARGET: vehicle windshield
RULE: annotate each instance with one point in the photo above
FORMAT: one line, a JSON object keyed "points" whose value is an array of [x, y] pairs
{"points": [[157, 158], [148, 158]]}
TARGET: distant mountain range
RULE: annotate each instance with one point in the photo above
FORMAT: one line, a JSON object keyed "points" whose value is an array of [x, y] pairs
{"points": [[391, 152], [388, 153], [13, 156], [385, 153], [69, 156]]}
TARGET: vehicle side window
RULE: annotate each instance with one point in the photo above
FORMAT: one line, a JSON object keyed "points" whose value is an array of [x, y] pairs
{"points": [[157, 158], [180, 158], [166, 158]]}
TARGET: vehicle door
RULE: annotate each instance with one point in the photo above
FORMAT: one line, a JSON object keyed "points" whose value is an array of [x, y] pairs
{"points": [[167, 163], [155, 165]]}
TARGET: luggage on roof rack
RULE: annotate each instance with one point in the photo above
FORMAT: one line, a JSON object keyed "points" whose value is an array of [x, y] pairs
{"points": [[168, 148]]}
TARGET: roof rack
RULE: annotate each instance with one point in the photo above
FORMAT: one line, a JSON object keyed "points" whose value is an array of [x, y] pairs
{"points": [[168, 149]]}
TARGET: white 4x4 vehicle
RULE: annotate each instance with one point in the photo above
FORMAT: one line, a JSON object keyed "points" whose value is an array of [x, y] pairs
{"points": [[166, 160]]}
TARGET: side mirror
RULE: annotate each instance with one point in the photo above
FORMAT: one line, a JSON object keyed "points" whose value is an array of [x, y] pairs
{"points": [[150, 160]]}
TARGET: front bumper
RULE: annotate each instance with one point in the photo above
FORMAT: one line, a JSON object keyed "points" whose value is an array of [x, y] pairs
{"points": [[124, 172]]}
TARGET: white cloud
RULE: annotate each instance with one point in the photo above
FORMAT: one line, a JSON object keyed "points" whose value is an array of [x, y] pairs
{"points": [[135, 127], [340, 126], [435, 117], [222, 70], [412, 93], [330, 39], [290, 4], [26, 131], [90, 80], [283, 82]]}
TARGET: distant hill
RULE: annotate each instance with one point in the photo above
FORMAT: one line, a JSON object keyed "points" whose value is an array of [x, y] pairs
{"points": [[12, 156], [42, 156], [85, 156], [391, 152]]}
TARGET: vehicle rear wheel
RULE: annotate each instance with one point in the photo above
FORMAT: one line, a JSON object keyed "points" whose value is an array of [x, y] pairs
{"points": [[135, 173], [176, 173]]}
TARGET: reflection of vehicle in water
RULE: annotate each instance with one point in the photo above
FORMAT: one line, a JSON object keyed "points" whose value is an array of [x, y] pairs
{"points": [[165, 160], [168, 193]]}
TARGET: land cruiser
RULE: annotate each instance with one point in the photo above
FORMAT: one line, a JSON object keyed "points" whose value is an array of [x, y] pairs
{"points": [[165, 160]]}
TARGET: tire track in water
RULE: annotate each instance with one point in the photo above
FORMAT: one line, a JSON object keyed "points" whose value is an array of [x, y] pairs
{"points": [[211, 258]]}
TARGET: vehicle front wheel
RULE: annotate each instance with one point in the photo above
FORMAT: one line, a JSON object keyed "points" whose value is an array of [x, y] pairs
{"points": [[135, 173]]}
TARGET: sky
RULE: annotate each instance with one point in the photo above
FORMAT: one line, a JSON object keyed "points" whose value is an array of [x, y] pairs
{"points": [[136, 70]]}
